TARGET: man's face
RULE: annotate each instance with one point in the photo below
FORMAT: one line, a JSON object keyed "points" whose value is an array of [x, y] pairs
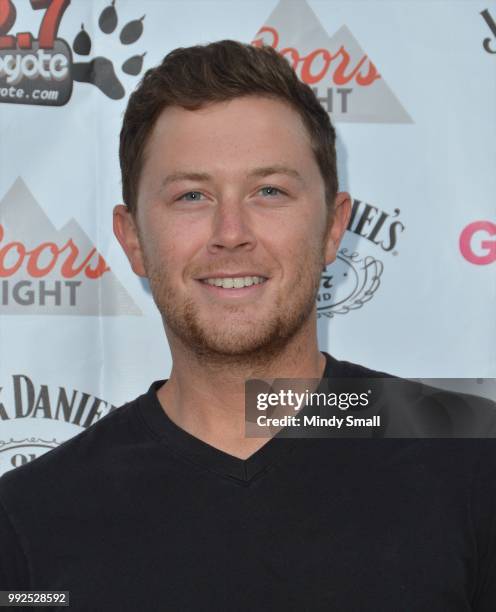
{"points": [[231, 219]]}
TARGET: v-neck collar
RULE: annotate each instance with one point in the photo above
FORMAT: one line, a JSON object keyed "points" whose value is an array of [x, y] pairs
{"points": [[209, 457]]}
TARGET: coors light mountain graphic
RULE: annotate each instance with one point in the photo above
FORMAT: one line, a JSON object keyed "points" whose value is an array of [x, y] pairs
{"points": [[346, 81], [48, 271]]}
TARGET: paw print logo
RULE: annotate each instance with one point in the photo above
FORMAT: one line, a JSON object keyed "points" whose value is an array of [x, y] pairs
{"points": [[100, 71]]}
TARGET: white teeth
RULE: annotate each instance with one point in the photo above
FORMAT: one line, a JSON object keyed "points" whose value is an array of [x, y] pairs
{"points": [[237, 282]]}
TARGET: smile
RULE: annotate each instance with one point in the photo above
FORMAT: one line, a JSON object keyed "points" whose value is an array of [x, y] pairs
{"points": [[235, 282]]}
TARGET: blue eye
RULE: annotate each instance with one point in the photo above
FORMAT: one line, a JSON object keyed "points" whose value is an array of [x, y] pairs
{"points": [[271, 190], [195, 196]]}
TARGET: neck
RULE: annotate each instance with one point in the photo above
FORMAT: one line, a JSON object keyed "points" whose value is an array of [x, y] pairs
{"points": [[206, 397]]}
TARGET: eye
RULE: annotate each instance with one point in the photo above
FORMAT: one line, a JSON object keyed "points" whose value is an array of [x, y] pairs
{"points": [[271, 191], [191, 196]]}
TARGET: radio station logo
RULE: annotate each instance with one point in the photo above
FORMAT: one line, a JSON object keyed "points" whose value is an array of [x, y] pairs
{"points": [[39, 69], [48, 271], [353, 279], [489, 44], [477, 243], [55, 413], [345, 80]]}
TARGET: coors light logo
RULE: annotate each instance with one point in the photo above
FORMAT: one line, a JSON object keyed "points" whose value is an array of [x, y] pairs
{"points": [[48, 271], [346, 81]]}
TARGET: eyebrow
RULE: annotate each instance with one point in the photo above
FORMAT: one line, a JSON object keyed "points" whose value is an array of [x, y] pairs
{"points": [[255, 173]]}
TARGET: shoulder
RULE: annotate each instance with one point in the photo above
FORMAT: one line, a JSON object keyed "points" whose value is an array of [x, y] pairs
{"points": [[62, 484], [75, 461], [360, 371], [422, 408], [339, 368]]}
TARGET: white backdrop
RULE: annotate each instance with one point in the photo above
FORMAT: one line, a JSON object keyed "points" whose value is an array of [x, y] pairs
{"points": [[412, 86]]}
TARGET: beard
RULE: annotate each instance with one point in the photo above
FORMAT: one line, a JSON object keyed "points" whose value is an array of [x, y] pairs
{"points": [[239, 339]]}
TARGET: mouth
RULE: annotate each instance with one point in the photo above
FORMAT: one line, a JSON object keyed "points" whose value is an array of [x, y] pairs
{"points": [[233, 286]]}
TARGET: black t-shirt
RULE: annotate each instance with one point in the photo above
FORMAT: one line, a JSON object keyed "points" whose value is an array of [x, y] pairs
{"points": [[136, 514]]}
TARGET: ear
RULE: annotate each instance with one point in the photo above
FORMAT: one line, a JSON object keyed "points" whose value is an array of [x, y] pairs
{"points": [[126, 232], [338, 223]]}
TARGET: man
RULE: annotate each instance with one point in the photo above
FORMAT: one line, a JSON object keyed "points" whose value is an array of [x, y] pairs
{"points": [[231, 211]]}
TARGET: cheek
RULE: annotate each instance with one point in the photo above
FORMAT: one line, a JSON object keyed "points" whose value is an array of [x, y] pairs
{"points": [[171, 244], [298, 253], [155, 241], [296, 240]]}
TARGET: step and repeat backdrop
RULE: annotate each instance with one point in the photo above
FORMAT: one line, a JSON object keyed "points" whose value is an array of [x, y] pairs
{"points": [[411, 88]]}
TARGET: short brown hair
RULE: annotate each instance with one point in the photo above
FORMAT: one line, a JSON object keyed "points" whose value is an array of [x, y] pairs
{"points": [[193, 76]]}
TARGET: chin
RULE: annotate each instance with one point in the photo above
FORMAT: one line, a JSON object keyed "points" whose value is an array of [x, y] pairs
{"points": [[236, 343], [228, 341], [232, 336]]}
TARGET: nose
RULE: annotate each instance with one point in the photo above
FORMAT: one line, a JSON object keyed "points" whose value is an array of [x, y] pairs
{"points": [[231, 228]]}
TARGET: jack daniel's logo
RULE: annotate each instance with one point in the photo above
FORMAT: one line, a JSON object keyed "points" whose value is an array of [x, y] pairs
{"points": [[353, 279], [54, 413]]}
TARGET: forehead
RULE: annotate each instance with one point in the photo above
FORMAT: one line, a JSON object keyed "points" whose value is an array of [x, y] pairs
{"points": [[247, 129]]}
